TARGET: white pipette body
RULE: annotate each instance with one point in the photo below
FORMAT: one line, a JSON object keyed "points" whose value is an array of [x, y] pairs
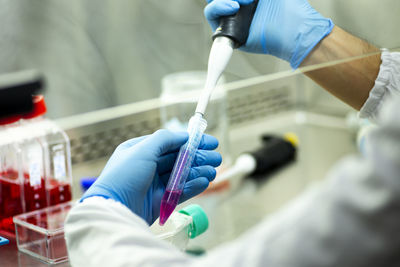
{"points": [[220, 54]]}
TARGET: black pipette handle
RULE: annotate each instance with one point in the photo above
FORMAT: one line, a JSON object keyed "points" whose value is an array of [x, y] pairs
{"points": [[236, 27], [276, 152]]}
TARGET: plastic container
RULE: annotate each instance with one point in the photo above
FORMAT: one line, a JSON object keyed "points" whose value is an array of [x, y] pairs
{"points": [[11, 188], [35, 165], [32, 161], [181, 226], [56, 148], [41, 233]]}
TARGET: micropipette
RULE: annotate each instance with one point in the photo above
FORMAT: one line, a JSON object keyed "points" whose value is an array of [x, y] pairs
{"points": [[231, 33]]}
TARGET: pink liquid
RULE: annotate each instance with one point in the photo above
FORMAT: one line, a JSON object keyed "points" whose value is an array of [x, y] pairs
{"points": [[168, 204]]}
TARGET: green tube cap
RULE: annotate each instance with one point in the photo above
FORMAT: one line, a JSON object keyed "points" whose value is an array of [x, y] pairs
{"points": [[200, 219]]}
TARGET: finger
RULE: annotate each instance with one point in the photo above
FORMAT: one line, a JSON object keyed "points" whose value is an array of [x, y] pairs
{"points": [[166, 163], [208, 172], [208, 142], [165, 178], [164, 141], [193, 188], [202, 158], [131, 142], [205, 157], [242, 2], [217, 8]]}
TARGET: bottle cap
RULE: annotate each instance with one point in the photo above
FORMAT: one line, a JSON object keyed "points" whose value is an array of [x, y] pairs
{"points": [[9, 119], [200, 220], [39, 107]]}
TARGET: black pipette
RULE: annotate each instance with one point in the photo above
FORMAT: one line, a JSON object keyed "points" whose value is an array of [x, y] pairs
{"points": [[236, 27]]}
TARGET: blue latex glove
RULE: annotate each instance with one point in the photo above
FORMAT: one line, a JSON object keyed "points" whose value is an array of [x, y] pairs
{"points": [[288, 29], [139, 169]]}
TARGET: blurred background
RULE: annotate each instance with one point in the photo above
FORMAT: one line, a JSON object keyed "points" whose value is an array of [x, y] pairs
{"points": [[97, 54]]}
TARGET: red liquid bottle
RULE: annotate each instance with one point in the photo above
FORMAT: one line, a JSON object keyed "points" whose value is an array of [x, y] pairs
{"points": [[56, 149], [11, 183], [32, 160]]}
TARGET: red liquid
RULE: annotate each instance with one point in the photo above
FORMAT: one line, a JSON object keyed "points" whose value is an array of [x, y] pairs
{"points": [[58, 192], [35, 197], [10, 195], [168, 204]]}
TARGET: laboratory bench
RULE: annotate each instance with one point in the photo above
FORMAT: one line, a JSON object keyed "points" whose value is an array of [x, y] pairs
{"points": [[323, 140]]}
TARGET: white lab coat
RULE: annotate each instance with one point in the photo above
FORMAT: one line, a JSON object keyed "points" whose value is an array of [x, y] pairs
{"points": [[350, 219]]}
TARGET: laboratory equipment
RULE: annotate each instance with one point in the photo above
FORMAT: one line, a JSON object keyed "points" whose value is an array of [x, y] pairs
{"points": [[11, 187], [179, 96], [232, 33], [15, 98], [56, 153], [16, 90], [32, 168], [186, 224], [183, 163], [35, 169], [40, 233], [3, 241], [274, 153]]}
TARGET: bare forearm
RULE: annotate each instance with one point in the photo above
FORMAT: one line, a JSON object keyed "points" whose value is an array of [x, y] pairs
{"points": [[351, 81]]}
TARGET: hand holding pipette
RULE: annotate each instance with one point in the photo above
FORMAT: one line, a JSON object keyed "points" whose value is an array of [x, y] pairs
{"points": [[232, 33]]}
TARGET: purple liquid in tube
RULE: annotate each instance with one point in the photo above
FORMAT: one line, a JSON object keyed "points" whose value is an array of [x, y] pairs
{"points": [[181, 170], [171, 197], [168, 204]]}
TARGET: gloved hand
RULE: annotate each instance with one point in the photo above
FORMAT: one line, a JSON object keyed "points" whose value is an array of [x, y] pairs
{"points": [[138, 171], [288, 29]]}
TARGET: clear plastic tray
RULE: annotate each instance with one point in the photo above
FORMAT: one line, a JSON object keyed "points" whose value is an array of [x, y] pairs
{"points": [[41, 233]]}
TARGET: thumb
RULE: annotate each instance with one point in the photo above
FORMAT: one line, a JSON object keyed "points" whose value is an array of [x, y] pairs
{"points": [[164, 141]]}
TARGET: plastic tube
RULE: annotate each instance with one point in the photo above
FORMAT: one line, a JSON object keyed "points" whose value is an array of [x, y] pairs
{"points": [[197, 126]]}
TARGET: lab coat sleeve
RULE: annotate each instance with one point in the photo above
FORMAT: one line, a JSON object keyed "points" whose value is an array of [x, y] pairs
{"points": [[386, 84], [103, 232]]}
